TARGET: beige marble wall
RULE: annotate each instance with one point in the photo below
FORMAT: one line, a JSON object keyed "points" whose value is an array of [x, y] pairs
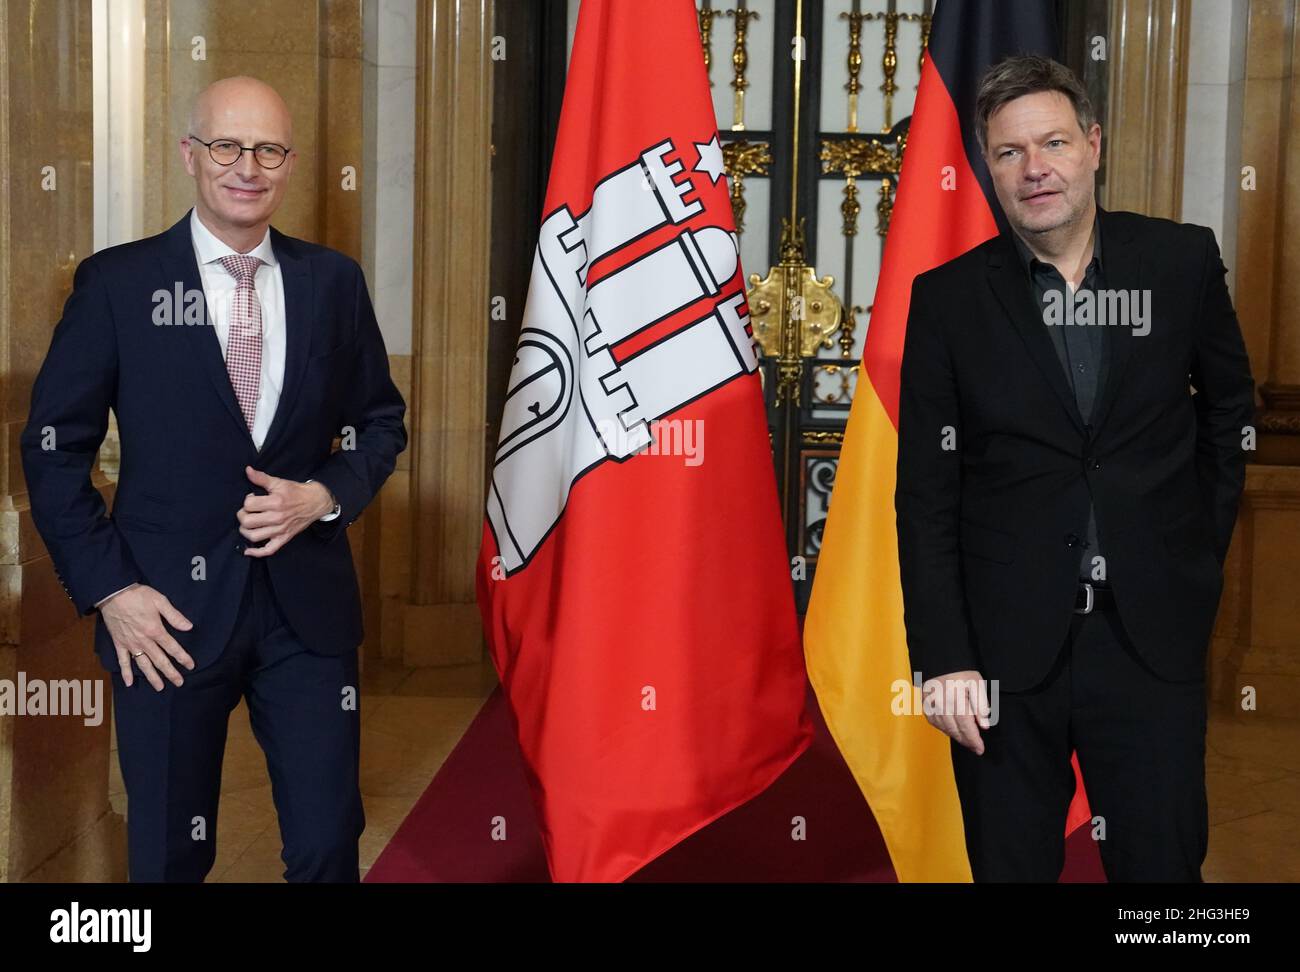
{"points": [[310, 51], [191, 43], [1256, 648], [53, 770], [1147, 98], [1257, 638], [1199, 89]]}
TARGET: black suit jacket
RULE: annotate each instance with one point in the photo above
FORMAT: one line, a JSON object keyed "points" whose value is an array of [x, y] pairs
{"points": [[988, 531], [185, 442]]}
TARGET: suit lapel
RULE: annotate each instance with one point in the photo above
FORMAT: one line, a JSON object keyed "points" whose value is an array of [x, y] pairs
{"points": [[180, 264], [1122, 263], [1007, 278], [295, 271], [1122, 270]]}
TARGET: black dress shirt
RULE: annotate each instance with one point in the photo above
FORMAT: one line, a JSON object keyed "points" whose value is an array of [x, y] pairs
{"points": [[1080, 349]]}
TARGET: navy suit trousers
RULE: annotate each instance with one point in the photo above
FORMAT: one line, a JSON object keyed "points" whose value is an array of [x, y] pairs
{"points": [[304, 710]]}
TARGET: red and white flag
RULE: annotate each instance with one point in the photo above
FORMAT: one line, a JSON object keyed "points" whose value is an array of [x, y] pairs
{"points": [[633, 577]]}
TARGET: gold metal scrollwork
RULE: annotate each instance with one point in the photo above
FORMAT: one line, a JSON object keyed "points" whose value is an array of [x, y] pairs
{"points": [[794, 312], [741, 159], [889, 59], [844, 394], [858, 156], [823, 435]]}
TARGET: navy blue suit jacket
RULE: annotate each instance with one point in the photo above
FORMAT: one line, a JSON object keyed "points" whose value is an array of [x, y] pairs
{"points": [[185, 442]]}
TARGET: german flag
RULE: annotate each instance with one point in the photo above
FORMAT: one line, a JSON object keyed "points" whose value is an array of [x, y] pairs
{"points": [[854, 638]]}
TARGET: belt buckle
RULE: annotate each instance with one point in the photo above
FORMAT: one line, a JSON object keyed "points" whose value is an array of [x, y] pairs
{"points": [[1091, 600]]}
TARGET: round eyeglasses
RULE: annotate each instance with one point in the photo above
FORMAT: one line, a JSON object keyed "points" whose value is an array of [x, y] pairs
{"points": [[226, 151]]}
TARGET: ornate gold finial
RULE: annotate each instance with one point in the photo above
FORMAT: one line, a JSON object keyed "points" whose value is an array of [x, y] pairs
{"points": [[855, 17], [850, 208], [706, 15], [889, 60], [846, 331], [793, 245], [927, 19], [885, 207], [740, 61]]}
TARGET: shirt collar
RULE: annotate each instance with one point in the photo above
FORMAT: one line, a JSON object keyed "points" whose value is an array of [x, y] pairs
{"points": [[1028, 260], [209, 249]]}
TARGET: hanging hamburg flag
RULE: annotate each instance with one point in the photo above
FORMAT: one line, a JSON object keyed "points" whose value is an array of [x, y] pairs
{"points": [[853, 636], [633, 578]]}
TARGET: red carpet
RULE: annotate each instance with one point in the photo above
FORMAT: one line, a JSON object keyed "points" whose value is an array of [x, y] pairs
{"points": [[448, 834]]}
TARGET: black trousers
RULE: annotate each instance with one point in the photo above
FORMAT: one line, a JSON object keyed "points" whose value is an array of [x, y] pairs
{"points": [[1141, 746], [308, 723]]}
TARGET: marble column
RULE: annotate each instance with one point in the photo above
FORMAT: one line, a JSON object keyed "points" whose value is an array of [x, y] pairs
{"points": [[1148, 82], [449, 340], [55, 819], [1216, 76], [387, 254]]}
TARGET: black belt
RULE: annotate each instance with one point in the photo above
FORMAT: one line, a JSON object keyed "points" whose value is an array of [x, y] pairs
{"points": [[1090, 596]]}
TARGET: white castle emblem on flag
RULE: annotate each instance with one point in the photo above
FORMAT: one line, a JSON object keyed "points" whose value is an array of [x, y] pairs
{"points": [[570, 405]]}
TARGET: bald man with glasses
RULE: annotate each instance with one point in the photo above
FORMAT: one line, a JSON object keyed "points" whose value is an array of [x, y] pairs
{"points": [[232, 356]]}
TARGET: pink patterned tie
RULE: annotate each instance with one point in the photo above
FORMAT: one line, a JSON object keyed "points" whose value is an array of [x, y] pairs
{"points": [[244, 342]]}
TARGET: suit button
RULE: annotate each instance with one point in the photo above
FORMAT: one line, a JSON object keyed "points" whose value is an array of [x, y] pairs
{"points": [[239, 548], [1071, 539], [1092, 463]]}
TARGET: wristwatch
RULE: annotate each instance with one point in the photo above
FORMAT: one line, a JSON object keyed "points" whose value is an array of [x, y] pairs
{"points": [[332, 514]]}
